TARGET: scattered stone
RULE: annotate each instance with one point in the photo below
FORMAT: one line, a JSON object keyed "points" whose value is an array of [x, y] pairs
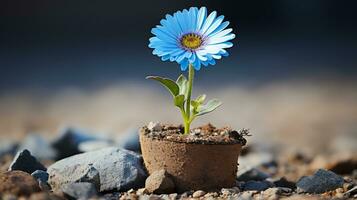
{"points": [[271, 193], [45, 196], [322, 181], [42, 178], [159, 182], [198, 194], [67, 144], [94, 145], [24, 161], [173, 196], [127, 196], [304, 197], [283, 182], [40, 175], [347, 186], [246, 195], [257, 185], [129, 140], [111, 196], [81, 190], [142, 191], [351, 192], [118, 169], [39, 147], [211, 194], [254, 160], [154, 126], [18, 183], [229, 191], [253, 174]]}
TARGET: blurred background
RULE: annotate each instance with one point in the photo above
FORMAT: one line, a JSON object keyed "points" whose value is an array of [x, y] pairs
{"points": [[290, 78]]}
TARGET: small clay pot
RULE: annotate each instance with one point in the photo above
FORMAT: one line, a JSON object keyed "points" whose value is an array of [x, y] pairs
{"points": [[192, 166]]}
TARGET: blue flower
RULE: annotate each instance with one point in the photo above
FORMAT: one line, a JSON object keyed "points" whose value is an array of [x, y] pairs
{"points": [[192, 37]]}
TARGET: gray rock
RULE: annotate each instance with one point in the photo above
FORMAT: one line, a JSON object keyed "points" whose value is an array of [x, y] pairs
{"points": [[254, 160], [129, 140], [74, 174], [79, 190], [257, 185], [68, 141], [322, 181], [38, 147], [118, 169], [159, 182], [254, 175], [40, 175], [24, 161]]}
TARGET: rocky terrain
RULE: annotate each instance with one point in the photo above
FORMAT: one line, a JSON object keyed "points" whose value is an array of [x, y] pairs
{"points": [[77, 165], [303, 143]]}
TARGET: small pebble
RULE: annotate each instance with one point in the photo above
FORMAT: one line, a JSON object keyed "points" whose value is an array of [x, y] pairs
{"points": [[142, 191], [228, 191], [154, 126], [198, 193]]}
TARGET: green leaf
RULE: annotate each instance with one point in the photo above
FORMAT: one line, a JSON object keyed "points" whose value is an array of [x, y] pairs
{"points": [[210, 106], [195, 104], [168, 83], [200, 99], [179, 100], [182, 83]]}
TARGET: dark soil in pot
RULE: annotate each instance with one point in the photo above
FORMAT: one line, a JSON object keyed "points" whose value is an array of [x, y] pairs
{"points": [[206, 159]]}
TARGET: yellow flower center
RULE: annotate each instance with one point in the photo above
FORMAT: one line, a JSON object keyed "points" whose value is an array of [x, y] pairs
{"points": [[191, 41]]}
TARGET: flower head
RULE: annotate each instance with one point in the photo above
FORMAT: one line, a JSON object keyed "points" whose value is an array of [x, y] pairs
{"points": [[192, 37]]}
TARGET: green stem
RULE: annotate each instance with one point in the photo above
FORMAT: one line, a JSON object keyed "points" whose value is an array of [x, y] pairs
{"points": [[191, 73]]}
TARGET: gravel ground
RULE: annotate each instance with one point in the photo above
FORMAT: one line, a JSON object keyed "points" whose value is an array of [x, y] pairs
{"points": [[302, 144]]}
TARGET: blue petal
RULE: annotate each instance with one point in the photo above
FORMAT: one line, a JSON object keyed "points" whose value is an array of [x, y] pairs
{"points": [[214, 25], [221, 33], [162, 35], [193, 12], [208, 22], [172, 24], [192, 58], [184, 65], [201, 17], [218, 40], [181, 21], [219, 28], [197, 64]]}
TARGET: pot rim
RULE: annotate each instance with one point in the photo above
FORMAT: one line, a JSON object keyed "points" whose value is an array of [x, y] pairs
{"points": [[143, 133]]}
